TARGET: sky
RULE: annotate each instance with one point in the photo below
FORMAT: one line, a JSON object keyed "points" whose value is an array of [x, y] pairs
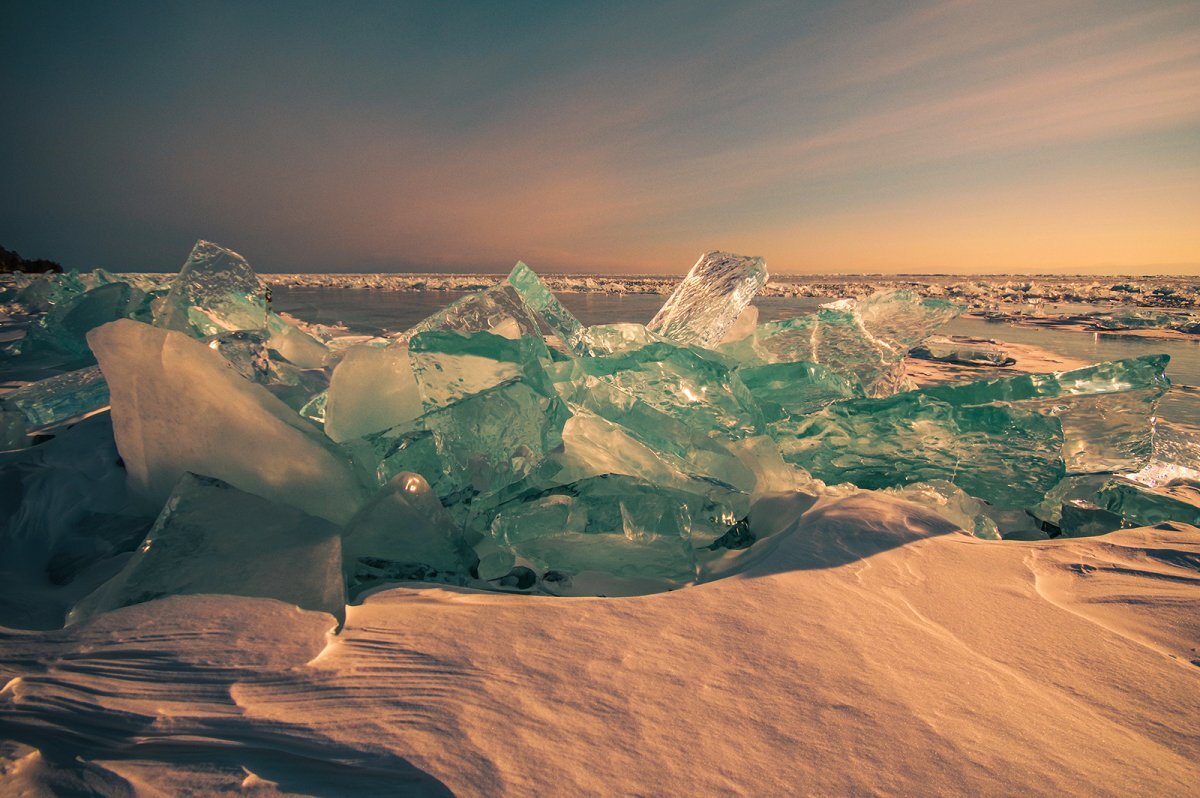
{"points": [[944, 137]]}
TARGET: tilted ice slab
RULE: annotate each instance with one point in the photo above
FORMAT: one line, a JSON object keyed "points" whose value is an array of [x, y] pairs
{"points": [[178, 406], [709, 300], [215, 291], [213, 538]]}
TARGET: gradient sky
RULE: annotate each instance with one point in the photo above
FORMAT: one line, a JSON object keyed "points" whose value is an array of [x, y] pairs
{"points": [[623, 137]]}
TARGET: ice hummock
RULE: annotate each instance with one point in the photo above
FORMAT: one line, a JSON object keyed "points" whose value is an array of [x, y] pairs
{"points": [[500, 443]]}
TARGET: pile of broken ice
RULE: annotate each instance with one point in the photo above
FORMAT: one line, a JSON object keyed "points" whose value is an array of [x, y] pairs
{"points": [[502, 443]]}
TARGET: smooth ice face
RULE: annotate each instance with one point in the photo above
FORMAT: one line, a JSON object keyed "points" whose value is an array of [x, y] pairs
{"points": [[709, 300], [449, 366], [293, 344], [216, 291], [64, 397], [178, 406], [999, 453], [213, 538], [404, 533], [548, 309], [371, 389]]}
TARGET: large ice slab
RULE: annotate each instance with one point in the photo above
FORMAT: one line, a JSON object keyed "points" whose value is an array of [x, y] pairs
{"points": [[214, 538], [178, 406], [999, 453], [215, 291], [1105, 409], [710, 298], [65, 326], [449, 365]]}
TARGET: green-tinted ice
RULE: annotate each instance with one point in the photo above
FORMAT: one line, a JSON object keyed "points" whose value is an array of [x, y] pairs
{"points": [[613, 524], [449, 365], [214, 538], [549, 310], [999, 453], [60, 398], [65, 326], [783, 389], [1105, 409], [692, 385]]}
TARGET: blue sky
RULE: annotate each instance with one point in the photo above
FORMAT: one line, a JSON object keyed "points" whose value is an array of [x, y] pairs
{"points": [[613, 137]]}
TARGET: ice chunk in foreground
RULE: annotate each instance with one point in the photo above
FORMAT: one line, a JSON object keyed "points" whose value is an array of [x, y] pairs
{"points": [[950, 502], [371, 389], [783, 389], [709, 300], [214, 538], [215, 291], [1005, 455], [404, 533], [179, 406], [63, 397]]}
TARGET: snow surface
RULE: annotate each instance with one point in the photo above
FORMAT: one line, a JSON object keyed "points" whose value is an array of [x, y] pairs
{"points": [[877, 651]]}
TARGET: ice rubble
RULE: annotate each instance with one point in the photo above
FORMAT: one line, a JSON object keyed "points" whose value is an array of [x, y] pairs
{"points": [[501, 442]]}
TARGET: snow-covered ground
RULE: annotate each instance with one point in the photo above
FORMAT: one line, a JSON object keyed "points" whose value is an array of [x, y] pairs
{"points": [[877, 651]]}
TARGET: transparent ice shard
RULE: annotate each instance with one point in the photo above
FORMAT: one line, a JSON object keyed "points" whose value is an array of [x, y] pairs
{"points": [[215, 291], [57, 399], [249, 353], [178, 406], [611, 339], [1175, 455], [371, 389], [404, 533], [710, 298], [499, 310], [865, 342], [542, 302], [998, 452], [213, 538], [449, 365], [293, 344]]}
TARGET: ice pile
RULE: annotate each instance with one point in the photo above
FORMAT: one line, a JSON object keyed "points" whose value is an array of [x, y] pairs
{"points": [[502, 443]]}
